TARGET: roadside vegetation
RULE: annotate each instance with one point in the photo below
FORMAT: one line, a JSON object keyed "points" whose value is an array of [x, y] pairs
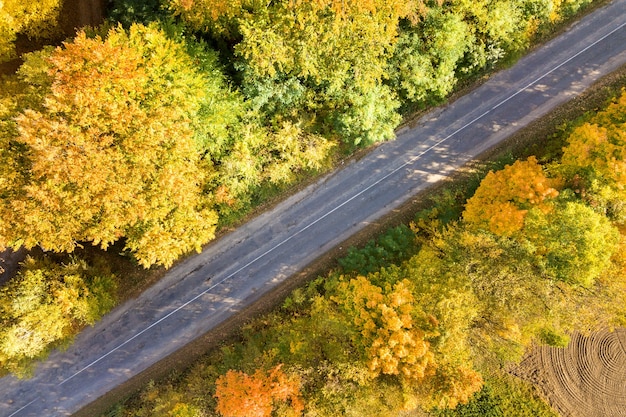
{"points": [[174, 118], [429, 315]]}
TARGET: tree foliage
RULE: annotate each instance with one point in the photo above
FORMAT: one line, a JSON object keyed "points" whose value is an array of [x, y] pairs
{"points": [[424, 63], [503, 198], [32, 18], [242, 395], [574, 243], [302, 60], [110, 151], [386, 321], [45, 304], [594, 160]]}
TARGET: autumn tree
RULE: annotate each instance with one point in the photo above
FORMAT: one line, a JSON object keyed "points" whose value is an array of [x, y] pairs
{"points": [[504, 197], [241, 395], [385, 318], [574, 243], [595, 160], [106, 148], [45, 304], [31, 18]]}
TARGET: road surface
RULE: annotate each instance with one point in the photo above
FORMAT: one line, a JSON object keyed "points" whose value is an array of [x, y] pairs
{"points": [[239, 268]]}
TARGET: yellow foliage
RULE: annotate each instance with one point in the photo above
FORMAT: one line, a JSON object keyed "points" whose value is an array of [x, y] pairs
{"points": [[110, 149], [32, 18], [503, 198], [599, 145], [394, 345]]}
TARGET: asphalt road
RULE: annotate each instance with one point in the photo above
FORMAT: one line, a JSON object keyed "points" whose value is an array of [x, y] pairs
{"points": [[238, 269]]}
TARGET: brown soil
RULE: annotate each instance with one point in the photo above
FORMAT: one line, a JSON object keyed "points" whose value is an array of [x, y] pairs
{"points": [[585, 379]]}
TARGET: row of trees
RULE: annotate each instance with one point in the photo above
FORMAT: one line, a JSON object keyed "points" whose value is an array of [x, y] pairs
{"points": [[133, 135], [147, 134], [434, 311]]}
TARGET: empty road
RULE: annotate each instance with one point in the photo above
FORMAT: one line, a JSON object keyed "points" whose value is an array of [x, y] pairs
{"points": [[239, 268]]}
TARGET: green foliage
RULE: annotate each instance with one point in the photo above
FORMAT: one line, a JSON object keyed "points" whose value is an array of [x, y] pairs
{"points": [[362, 117], [423, 66], [482, 404], [301, 61], [129, 12], [573, 243], [394, 246], [47, 303], [515, 397], [502, 395]]}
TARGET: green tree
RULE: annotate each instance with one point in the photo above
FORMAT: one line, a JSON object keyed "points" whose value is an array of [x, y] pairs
{"points": [[573, 243], [321, 64], [425, 59]]}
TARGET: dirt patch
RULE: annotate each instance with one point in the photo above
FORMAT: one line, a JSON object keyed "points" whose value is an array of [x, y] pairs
{"points": [[585, 379]]}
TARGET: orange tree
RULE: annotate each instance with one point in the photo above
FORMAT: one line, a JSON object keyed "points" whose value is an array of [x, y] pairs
{"points": [[503, 198], [242, 395]]}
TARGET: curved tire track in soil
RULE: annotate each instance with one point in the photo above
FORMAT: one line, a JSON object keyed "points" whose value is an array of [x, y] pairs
{"points": [[585, 379]]}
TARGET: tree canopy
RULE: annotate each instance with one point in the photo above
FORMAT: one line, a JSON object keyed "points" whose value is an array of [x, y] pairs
{"points": [[31, 18], [108, 151], [45, 304], [243, 395], [503, 198]]}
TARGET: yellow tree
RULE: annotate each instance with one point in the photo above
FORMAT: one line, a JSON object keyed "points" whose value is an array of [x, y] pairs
{"points": [[503, 198], [47, 303], [32, 18], [388, 332], [109, 151], [241, 395], [595, 160]]}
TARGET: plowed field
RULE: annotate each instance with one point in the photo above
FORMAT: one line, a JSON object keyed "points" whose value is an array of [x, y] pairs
{"points": [[585, 379]]}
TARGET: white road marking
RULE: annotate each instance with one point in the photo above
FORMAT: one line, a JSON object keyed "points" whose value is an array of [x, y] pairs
{"points": [[23, 407], [409, 162]]}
